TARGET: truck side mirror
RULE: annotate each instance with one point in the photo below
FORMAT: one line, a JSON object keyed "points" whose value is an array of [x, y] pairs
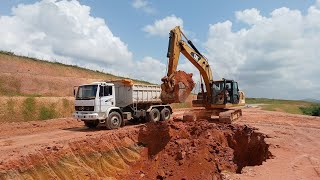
{"points": [[74, 90]]}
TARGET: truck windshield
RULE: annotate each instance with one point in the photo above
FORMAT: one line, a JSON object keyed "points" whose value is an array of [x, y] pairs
{"points": [[87, 92]]}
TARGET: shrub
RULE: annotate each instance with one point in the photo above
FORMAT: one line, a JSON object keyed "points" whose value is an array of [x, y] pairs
{"points": [[47, 112], [29, 108], [313, 110], [10, 113], [65, 103]]}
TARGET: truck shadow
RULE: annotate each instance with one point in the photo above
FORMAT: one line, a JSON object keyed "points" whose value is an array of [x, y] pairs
{"points": [[102, 127], [86, 129], [154, 136]]}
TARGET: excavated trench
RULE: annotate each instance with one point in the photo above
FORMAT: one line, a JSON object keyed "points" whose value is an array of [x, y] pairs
{"points": [[173, 150]]}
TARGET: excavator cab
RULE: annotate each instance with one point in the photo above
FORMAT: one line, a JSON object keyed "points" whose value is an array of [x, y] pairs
{"points": [[224, 92]]}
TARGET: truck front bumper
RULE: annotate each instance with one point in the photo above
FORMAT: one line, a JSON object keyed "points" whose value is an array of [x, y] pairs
{"points": [[91, 116]]}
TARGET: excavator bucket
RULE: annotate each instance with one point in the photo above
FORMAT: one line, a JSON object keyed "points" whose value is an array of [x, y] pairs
{"points": [[177, 87]]}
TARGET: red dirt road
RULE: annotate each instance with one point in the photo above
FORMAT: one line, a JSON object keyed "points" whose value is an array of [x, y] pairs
{"points": [[294, 144]]}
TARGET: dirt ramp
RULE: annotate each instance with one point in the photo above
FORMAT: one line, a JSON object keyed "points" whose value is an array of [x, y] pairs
{"points": [[165, 150]]}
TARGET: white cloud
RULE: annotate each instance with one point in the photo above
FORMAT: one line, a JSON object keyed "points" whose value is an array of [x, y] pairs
{"points": [[60, 30], [163, 26], [144, 5], [65, 31], [150, 69], [250, 16], [275, 56]]}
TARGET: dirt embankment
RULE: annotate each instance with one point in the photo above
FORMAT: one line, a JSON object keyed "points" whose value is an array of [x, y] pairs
{"points": [[27, 76], [63, 148], [190, 150]]}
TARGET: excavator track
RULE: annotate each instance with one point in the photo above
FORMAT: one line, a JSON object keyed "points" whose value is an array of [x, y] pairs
{"points": [[230, 116], [226, 116]]}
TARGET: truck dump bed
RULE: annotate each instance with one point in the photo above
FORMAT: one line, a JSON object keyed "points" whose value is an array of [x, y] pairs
{"points": [[127, 93]]}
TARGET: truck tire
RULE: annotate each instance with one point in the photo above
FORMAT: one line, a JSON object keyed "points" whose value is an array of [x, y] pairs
{"points": [[114, 120], [91, 124], [154, 115], [165, 114]]}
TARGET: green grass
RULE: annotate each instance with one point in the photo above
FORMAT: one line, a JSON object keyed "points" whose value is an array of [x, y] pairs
{"points": [[274, 101], [32, 109], [29, 109], [313, 110], [47, 112], [289, 106], [10, 112]]}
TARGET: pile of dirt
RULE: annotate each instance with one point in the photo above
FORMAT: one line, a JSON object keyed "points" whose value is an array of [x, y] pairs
{"points": [[177, 87], [174, 150]]}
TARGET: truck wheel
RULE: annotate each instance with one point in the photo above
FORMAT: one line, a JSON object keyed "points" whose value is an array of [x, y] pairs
{"points": [[165, 114], [154, 115], [91, 124], [114, 120]]}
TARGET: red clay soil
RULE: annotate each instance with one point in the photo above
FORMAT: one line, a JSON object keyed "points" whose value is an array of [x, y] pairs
{"points": [[177, 87], [197, 150], [173, 150]]}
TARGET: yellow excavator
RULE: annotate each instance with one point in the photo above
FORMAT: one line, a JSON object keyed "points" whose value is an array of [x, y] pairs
{"points": [[219, 98]]}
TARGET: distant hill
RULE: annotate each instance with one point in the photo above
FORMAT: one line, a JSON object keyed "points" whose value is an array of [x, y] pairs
{"points": [[311, 100], [25, 76], [289, 106]]}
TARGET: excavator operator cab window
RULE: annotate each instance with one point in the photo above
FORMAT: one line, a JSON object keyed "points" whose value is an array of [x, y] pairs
{"points": [[228, 92], [218, 86], [218, 89]]}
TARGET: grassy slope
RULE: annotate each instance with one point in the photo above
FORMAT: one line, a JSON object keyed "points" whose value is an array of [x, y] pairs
{"points": [[33, 89], [18, 73], [289, 106]]}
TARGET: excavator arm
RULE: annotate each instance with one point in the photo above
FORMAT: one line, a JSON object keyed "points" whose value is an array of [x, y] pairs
{"points": [[177, 85]]}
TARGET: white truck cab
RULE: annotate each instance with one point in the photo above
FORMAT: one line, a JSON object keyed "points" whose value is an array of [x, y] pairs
{"points": [[113, 103]]}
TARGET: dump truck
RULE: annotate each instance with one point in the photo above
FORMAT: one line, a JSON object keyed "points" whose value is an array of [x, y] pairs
{"points": [[113, 103]]}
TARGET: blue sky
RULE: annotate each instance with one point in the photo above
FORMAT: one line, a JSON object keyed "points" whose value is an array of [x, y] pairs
{"points": [[266, 45], [127, 22]]}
